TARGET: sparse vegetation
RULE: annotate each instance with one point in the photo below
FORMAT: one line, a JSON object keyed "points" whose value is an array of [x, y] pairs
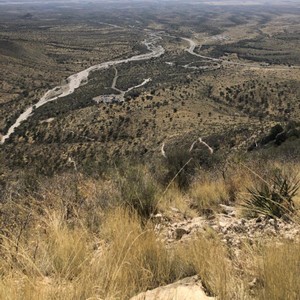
{"points": [[73, 238]]}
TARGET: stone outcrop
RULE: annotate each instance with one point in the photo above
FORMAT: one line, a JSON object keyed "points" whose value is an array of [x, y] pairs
{"points": [[231, 228], [186, 289]]}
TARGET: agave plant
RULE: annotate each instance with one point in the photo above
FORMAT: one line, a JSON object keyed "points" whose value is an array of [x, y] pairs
{"points": [[274, 198]]}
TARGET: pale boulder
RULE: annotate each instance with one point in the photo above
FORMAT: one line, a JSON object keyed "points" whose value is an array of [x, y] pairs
{"points": [[186, 289]]}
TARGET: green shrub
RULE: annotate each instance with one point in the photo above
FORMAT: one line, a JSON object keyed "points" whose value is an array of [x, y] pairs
{"points": [[139, 191], [180, 166]]}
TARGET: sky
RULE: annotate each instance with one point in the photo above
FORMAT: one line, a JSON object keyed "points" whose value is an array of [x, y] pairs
{"points": [[211, 2]]}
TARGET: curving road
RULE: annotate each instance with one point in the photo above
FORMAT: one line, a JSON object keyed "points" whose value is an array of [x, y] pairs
{"points": [[192, 47], [121, 96]]}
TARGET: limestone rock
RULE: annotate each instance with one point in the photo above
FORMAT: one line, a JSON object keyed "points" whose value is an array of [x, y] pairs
{"points": [[187, 289]]}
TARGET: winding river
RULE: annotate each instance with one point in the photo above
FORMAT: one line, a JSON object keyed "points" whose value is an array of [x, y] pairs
{"points": [[76, 80]]}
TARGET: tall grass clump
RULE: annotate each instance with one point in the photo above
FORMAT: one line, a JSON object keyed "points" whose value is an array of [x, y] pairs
{"points": [[174, 198], [45, 263], [209, 258], [134, 259], [207, 195], [278, 271]]}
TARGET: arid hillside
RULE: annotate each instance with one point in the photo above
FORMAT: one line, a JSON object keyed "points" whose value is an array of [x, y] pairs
{"points": [[149, 150]]}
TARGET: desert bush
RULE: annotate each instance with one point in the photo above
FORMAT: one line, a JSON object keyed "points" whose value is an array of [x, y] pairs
{"points": [[182, 163], [180, 167], [185, 160], [138, 190], [274, 131], [273, 198]]}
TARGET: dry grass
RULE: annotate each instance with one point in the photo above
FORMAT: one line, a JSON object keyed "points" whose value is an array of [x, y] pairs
{"points": [[209, 258], [44, 265], [61, 262], [270, 269], [135, 260], [77, 241], [279, 271], [73, 239], [207, 195], [175, 198]]}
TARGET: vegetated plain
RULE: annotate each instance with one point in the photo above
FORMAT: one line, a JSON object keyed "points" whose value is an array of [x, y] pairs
{"points": [[124, 180]]}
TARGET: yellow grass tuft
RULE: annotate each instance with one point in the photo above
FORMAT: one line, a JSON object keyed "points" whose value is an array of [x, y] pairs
{"points": [[175, 198], [207, 195], [279, 271], [209, 258]]}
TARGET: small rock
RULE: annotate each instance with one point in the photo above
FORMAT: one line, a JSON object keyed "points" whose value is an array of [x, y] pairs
{"points": [[224, 230], [238, 228], [260, 226], [253, 283], [180, 232], [272, 222], [259, 220], [157, 227], [174, 209], [215, 227], [242, 221], [232, 214], [270, 231]]}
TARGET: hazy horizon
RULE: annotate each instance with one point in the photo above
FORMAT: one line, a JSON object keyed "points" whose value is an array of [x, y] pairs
{"points": [[209, 2]]}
